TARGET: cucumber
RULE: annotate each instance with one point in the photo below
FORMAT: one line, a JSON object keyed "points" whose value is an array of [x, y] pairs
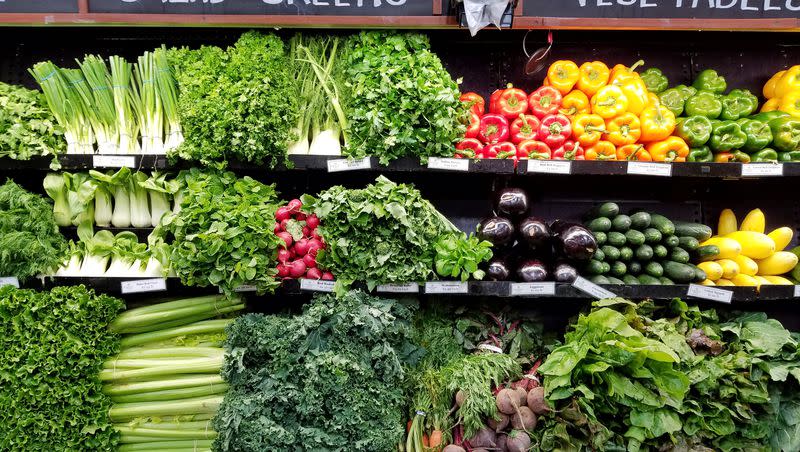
{"points": [[699, 274], [666, 281], [662, 223], [616, 239], [612, 253], [688, 243], [644, 253], [660, 251], [640, 220], [634, 238], [649, 280], [594, 267], [671, 241], [652, 235], [625, 254], [606, 210], [634, 267], [679, 255], [600, 238], [599, 255], [630, 280], [613, 280], [619, 269], [654, 269], [601, 224], [699, 231], [707, 253], [680, 273], [621, 223], [599, 279]]}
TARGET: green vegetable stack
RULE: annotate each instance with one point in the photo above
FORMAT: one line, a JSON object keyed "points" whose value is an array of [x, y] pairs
{"points": [[643, 248], [27, 127]]}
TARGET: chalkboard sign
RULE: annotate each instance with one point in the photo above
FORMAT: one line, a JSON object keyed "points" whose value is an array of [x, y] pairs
{"points": [[664, 9], [267, 7], [38, 6]]}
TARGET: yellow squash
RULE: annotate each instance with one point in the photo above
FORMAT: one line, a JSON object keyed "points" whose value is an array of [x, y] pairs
{"points": [[782, 237], [746, 265], [724, 282], [779, 280], [707, 282], [745, 281], [712, 269], [779, 263], [727, 222], [762, 281], [754, 245], [728, 248], [730, 269], [754, 221]]}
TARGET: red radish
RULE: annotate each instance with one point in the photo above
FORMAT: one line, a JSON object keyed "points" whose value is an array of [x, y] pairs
{"points": [[312, 221], [283, 213], [297, 268], [283, 270], [284, 223], [309, 260], [284, 255], [286, 237], [295, 205], [301, 247], [277, 228], [306, 231], [314, 273], [315, 234], [327, 276], [314, 245], [299, 216]]}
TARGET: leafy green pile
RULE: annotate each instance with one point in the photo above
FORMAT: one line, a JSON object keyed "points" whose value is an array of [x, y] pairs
{"points": [[30, 243], [327, 379], [402, 100], [222, 234], [458, 256], [27, 127], [52, 348], [236, 103]]}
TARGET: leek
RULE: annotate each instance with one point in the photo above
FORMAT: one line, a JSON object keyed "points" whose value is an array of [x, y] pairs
{"points": [[124, 104], [150, 109], [100, 99]]}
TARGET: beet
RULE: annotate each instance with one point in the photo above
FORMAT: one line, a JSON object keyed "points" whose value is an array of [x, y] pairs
{"points": [[536, 401], [460, 396], [518, 441], [522, 394], [523, 419], [507, 401], [454, 448], [480, 449], [500, 425], [484, 438], [502, 442]]}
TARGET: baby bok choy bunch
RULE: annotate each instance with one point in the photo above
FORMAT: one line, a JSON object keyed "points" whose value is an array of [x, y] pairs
{"points": [[108, 255], [166, 384]]}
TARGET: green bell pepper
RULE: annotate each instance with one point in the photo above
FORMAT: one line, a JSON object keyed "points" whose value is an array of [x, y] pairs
{"points": [[695, 130], [768, 116], [785, 134], [673, 100], [765, 155], [686, 91], [701, 154], [726, 136], [738, 104], [655, 80], [792, 156], [704, 103], [758, 134], [709, 80]]}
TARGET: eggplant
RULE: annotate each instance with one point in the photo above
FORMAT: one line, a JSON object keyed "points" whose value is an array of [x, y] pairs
{"points": [[576, 243], [498, 270], [565, 273], [532, 270], [535, 233], [511, 202], [498, 231], [558, 226]]}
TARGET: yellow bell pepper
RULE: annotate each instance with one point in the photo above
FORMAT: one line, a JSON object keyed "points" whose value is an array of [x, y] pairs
{"points": [[563, 75], [609, 102], [575, 103], [593, 76], [771, 105], [769, 87], [632, 86], [657, 122], [790, 103], [790, 81], [652, 99], [622, 73]]}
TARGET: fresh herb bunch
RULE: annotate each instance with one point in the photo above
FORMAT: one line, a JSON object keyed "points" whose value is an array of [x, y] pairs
{"points": [[459, 256], [27, 127], [222, 234], [402, 100], [236, 103], [327, 379], [52, 348], [30, 242]]}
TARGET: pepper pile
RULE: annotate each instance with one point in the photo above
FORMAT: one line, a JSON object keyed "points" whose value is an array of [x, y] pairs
{"points": [[782, 92]]}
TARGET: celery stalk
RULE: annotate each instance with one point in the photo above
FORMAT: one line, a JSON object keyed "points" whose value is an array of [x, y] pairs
{"points": [[138, 319], [177, 382], [167, 434], [209, 326], [186, 445], [184, 321], [200, 405], [172, 394], [206, 365]]}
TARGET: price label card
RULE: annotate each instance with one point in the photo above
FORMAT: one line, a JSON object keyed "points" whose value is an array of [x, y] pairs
{"points": [[9, 281], [316, 285], [448, 164], [447, 287], [550, 166], [536, 288], [710, 293], [339, 165], [590, 288], [797, 291], [144, 285], [114, 161], [762, 169], [650, 169], [399, 288], [245, 288]]}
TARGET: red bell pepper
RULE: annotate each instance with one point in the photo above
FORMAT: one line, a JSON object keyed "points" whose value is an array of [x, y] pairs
{"points": [[468, 148], [524, 128], [474, 102], [512, 102], [493, 129], [493, 108], [533, 149], [555, 130], [474, 126], [570, 150], [545, 101], [502, 150]]}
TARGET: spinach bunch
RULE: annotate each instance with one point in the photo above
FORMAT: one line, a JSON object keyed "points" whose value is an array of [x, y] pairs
{"points": [[52, 347], [27, 127]]}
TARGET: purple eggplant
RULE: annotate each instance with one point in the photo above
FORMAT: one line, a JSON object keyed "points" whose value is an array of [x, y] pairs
{"points": [[535, 233], [532, 270], [498, 231], [498, 270], [575, 242], [511, 202], [564, 273]]}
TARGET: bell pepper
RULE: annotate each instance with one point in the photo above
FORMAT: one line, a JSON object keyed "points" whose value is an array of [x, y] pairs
{"points": [[758, 133], [655, 80], [768, 116], [765, 155], [474, 102], [469, 148], [695, 130], [687, 91], [474, 126], [701, 154], [494, 128], [633, 152], [785, 134], [575, 103], [587, 129], [789, 81], [769, 87], [570, 150], [632, 86], [501, 150], [737, 104], [621, 73], [493, 99], [624, 129], [544, 101], [526, 127], [730, 157], [609, 101], [546, 82], [790, 103], [771, 105], [673, 149], [792, 156], [704, 103], [674, 100], [710, 80], [602, 150], [658, 123], [512, 102], [555, 130], [726, 136], [563, 75], [594, 75], [533, 149], [652, 99]]}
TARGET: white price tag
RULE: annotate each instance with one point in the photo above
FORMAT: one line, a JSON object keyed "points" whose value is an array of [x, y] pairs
{"points": [[797, 291], [9, 281], [399, 288], [245, 288], [710, 293], [114, 161], [316, 285], [338, 165], [650, 169], [590, 288], [447, 287], [448, 164], [534, 288], [550, 166], [762, 169], [144, 285]]}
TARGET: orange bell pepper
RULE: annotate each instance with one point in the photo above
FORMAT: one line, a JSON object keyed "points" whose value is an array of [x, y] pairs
{"points": [[602, 150], [609, 102], [563, 75], [673, 149], [657, 122], [633, 152], [593, 76], [575, 103], [546, 82], [587, 129], [624, 129]]}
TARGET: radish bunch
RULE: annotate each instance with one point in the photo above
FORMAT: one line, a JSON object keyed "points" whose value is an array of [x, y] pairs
{"points": [[298, 257]]}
